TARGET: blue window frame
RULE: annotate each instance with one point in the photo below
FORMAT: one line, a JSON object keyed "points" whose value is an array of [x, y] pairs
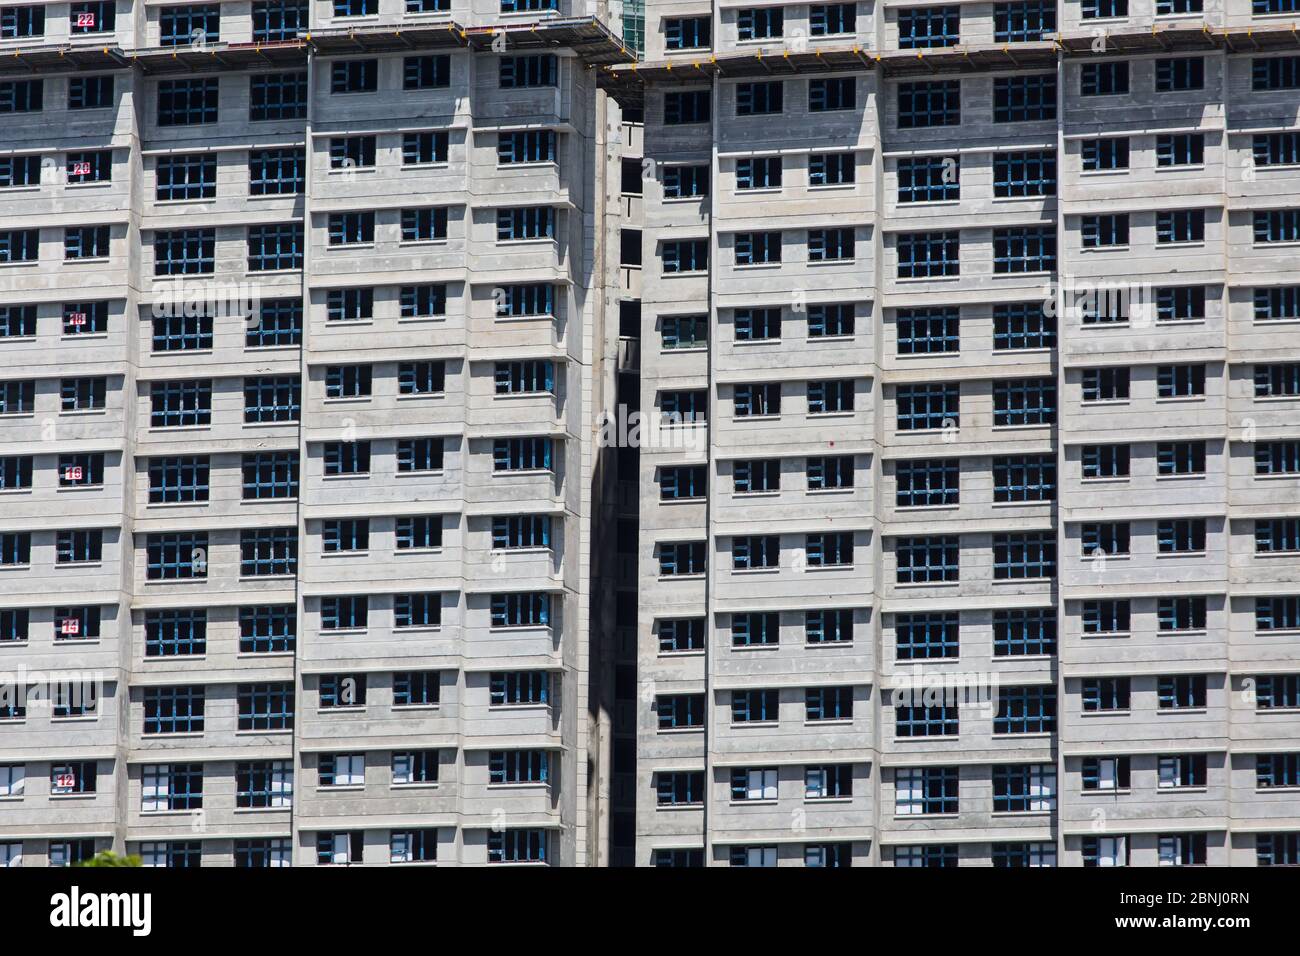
{"points": [[832, 93], [422, 378], [523, 223], [81, 623], [928, 254], [1277, 614], [521, 609], [1026, 21], [345, 612], [186, 176], [1181, 614], [15, 547], [1024, 401], [680, 558], [266, 706], [418, 532], [680, 634], [1187, 691], [352, 152], [180, 403], [22, 96], [1281, 303], [1106, 617], [15, 625], [1024, 99], [832, 19], [522, 454], [278, 96], [1277, 770], [17, 321], [685, 255], [20, 22], [346, 457], [1104, 461], [15, 472], [184, 252], [425, 225], [928, 27], [519, 688], [1024, 632], [1180, 149], [749, 552], [1103, 79], [522, 72], [757, 248], [1025, 710], [829, 626], [751, 475], [913, 720], [173, 710], [272, 398], [179, 479], [1277, 535], [760, 23], [757, 172], [525, 146], [270, 475], [23, 171], [831, 245], [1027, 173], [521, 532], [687, 33], [832, 169], [684, 331], [517, 846], [86, 242], [354, 76], [176, 555], [268, 629], [268, 552], [927, 482], [275, 247], [927, 559], [419, 454], [1184, 225], [927, 636], [755, 628], [929, 179], [1105, 153], [687, 182], [428, 72], [1025, 478], [835, 319], [277, 172], [679, 788], [78, 547], [757, 325], [417, 688], [1276, 149], [188, 102], [278, 19], [90, 92], [1022, 249], [519, 766], [760, 98], [829, 550], [758, 399], [1277, 849], [687, 106], [1025, 554], [181, 26], [1180, 73], [85, 318], [20, 245], [681, 482], [932, 405], [349, 305], [175, 633], [1276, 225], [755, 706], [1023, 325], [93, 16], [827, 703], [926, 331]]}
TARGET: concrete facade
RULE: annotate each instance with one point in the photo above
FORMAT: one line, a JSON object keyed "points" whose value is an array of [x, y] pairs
{"points": [[345, 527], [977, 382]]}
